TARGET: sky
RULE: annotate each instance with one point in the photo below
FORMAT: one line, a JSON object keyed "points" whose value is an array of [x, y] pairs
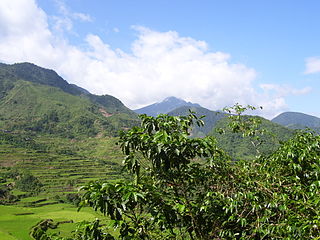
{"points": [[212, 52]]}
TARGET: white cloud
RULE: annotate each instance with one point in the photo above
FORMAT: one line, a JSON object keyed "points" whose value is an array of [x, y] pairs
{"points": [[64, 20], [82, 16], [285, 90], [273, 98], [65, 11], [160, 64], [312, 65], [24, 34]]}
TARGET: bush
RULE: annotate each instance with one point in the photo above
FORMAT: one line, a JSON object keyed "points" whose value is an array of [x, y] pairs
{"points": [[28, 183]]}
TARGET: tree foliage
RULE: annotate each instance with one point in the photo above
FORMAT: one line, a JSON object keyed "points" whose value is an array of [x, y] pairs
{"points": [[188, 188], [28, 183]]}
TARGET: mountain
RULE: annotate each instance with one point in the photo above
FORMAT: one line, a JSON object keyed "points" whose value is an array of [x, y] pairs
{"points": [[240, 147], [296, 120], [38, 100], [165, 106], [210, 118]]}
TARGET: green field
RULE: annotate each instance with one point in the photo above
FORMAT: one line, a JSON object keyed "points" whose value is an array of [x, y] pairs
{"points": [[16, 221]]}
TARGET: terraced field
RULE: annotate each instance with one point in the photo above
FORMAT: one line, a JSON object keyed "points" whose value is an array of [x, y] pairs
{"points": [[68, 164], [62, 167]]}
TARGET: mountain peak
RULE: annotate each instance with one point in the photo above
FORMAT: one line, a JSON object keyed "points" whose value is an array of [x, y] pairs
{"points": [[165, 106]]}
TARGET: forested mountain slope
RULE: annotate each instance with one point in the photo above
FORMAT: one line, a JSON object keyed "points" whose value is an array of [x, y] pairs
{"points": [[37, 99]]}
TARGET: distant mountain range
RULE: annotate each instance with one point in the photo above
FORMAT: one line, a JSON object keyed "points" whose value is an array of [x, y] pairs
{"points": [[175, 106], [279, 129], [36, 100], [166, 106], [39, 100]]}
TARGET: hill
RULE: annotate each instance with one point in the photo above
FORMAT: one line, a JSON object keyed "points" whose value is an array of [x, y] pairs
{"points": [[296, 120], [39, 100], [165, 106]]}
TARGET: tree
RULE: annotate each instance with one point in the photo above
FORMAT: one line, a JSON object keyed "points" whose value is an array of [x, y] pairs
{"points": [[172, 173], [187, 188], [28, 183]]}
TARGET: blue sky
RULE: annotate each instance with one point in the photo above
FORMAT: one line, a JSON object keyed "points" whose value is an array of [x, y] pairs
{"points": [[213, 52]]}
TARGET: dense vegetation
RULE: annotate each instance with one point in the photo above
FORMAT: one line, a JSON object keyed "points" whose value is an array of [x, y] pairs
{"points": [[188, 188], [240, 147]]}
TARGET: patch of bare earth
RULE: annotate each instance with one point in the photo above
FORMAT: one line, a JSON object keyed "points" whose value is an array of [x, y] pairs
{"points": [[105, 113]]}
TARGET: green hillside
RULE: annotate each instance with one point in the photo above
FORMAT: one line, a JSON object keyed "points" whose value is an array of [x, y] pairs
{"points": [[37, 99], [54, 138]]}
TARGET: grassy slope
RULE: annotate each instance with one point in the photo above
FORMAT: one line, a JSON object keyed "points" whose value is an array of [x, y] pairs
{"points": [[30, 106], [31, 100]]}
